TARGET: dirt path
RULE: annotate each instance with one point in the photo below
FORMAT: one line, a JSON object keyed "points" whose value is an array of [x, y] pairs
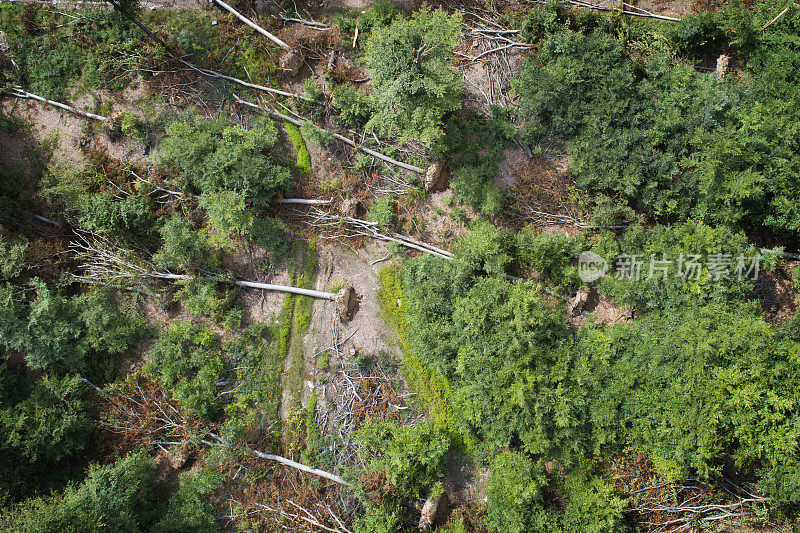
{"points": [[366, 332], [291, 367]]}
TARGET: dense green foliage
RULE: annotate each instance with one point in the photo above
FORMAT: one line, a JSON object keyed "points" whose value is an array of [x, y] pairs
{"points": [[551, 256], [60, 55], [516, 501], [674, 142], [214, 154], [700, 388], [43, 427], [413, 84], [411, 459], [412, 456], [58, 332], [119, 497], [187, 359], [674, 378], [690, 249]]}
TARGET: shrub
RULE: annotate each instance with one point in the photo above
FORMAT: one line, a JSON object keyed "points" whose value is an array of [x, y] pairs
{"points": [[516, 500], [382, 211], [551, 18], [187, 360], [477, 147], [316, 134], [104, 214], [413, 82], [214, 154], [189, 509], [12, 258], [413, 456], [228, 216], [182, 247], [553, 255], [592, 506], [698, 35], [355, 107], [44, 428], [119, 497]]}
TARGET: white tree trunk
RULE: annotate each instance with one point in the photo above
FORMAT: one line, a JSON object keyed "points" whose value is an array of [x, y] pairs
{"points": [[252, 24], [304, 468]]}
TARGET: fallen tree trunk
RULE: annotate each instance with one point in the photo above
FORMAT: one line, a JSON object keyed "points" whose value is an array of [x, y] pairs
{"points": [[18, 92], [104, 261], [641, 13], [300, 122], [285, 288], [214, 74], [283, 461], [250, 23], [304, 201], [302, 467]]}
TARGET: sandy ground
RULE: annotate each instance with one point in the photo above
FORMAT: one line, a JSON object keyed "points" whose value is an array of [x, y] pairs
{"points": [[72, 131], [670, 8]]}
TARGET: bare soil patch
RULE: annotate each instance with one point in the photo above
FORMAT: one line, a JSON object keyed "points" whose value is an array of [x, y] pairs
{"points": [[776, 293]]}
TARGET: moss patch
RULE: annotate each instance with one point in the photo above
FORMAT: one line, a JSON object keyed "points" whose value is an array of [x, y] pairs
{"points": [[303, 157]]}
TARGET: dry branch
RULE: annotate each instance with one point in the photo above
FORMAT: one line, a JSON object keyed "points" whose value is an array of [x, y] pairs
{"points": [[542, 218], [362, 228], [689, 504], [779, 15], [312, 23]]}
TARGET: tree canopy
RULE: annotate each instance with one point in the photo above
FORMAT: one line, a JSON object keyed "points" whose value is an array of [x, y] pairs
{"points": [[413, 83]]}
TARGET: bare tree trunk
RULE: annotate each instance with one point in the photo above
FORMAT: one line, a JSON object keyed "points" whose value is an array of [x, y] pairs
{"points": [[18, 92], [252, 24], [304, 201], [285, 288], [304, 468]]}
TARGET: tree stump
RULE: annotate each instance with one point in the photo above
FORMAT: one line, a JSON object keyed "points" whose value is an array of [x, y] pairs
{"points": [[290, 61], [576, 306], [347, 303], [431, 509], [434, 177], [722, 65]]}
